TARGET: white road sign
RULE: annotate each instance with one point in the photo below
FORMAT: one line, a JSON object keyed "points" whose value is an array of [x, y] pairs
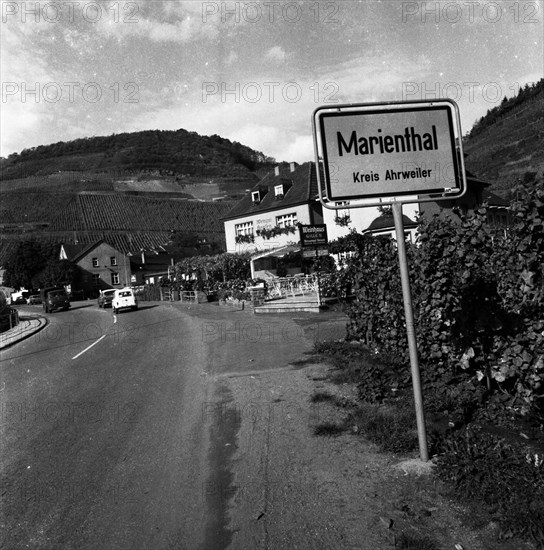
{"points": [[386, 150]]}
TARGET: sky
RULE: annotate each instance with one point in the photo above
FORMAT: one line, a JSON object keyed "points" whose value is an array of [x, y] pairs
{"points": [[252, 72]]}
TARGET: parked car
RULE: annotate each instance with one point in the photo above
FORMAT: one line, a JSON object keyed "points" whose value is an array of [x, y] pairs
{"points": [[19, 297], [34, 299], [124, 299], [54, 298], [105, 298]]}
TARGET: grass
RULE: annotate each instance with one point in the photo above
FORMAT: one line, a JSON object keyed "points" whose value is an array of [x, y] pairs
{"points": [[393, 430], [322, 396], [329, 429], [414, 542]]}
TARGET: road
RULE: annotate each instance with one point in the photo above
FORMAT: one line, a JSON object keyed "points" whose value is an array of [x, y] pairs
{"points": [[105, 448], [109, 425]]}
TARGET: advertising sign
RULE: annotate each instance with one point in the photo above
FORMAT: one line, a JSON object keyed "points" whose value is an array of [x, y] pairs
{"points": [[315, 252], [313, 235], [390, 150]]}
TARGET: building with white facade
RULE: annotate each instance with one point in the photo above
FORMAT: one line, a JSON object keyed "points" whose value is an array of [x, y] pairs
{"points": [[264, 222]]}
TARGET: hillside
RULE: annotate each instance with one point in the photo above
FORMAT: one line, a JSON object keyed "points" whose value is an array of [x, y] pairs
{"points": [[132, 190], [508, 141], [178, 153]]}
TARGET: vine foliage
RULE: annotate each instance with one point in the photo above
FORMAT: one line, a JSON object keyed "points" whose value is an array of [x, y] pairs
{"points": [[478, 299]]}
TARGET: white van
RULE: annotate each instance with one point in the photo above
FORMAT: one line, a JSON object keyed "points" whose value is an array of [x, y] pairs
{"points": [[124, 299]]}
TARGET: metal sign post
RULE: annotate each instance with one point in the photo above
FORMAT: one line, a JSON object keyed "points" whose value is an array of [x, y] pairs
{"points": [[390, 153], [410, 331]]}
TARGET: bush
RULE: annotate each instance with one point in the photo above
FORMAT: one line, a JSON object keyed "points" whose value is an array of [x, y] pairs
{"points": [[392, 429], [478, 300], [508, 479]]}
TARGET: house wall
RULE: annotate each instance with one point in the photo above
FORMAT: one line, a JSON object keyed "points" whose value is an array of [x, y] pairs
{"points": [[103, 252], [262, 220]]}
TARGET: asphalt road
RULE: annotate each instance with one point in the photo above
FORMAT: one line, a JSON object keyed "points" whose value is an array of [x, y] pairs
{"points": [[116, 431], [105, 446]]}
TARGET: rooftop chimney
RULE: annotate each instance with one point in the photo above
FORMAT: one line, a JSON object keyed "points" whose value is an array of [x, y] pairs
{"points": [[277, 171], [292, 166]]}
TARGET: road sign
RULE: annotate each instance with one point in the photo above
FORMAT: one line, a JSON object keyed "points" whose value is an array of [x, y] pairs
{"points": [[313, 235], [390, 153], [396, 150]]}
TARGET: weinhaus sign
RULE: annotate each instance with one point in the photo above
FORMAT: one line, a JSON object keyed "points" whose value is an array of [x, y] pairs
{"points": [[390, 150], [313, 235]]}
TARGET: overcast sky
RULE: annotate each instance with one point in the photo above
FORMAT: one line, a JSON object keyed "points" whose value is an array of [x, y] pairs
{"points": [[252, 72]]}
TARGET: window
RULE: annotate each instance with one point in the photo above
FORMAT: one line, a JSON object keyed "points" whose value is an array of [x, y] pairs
{"points": [[345, 256], [115, 278], [113, 260], [256, 197], [286, 220], [342, 212], [95, 262], [279, 191], [96, 279], [245, 228]]}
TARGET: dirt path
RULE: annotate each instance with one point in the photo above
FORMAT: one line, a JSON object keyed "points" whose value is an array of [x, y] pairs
{"points": [[294, 490], [281, 486]]}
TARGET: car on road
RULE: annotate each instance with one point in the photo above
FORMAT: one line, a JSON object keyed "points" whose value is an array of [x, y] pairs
{"points": [[54, 298], [20, 297], [124, 298], [34, 299], [105, 298]]}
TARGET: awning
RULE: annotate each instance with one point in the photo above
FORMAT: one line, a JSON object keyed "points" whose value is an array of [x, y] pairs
{"points": [[278, 252]]}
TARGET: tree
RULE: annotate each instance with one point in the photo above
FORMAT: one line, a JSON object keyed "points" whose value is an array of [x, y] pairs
{"points": [[187, 245], [26, 261], [55, 273]]}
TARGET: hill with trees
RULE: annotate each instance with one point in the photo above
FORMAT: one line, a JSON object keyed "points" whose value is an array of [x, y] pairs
{"points": [[506, 146], [133, 190], [175, 153]]}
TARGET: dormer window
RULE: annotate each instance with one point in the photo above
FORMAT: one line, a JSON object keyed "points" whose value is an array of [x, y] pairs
{"points": [[279, 192], [256, 197]]}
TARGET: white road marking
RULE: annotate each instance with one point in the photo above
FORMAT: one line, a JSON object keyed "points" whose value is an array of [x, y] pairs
{"points": [[89, 347]]}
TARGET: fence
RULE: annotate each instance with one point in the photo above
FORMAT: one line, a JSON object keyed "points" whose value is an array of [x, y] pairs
{"points": [[292, 286], [9, 320]]}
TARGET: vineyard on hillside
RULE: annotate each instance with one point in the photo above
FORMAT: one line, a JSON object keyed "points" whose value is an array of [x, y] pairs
{"points": [[20, 208], [63, 182], [139, 213], [129, 223]]}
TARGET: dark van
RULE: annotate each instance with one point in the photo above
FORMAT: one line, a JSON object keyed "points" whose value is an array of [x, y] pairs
{"points": [[54, 298]]}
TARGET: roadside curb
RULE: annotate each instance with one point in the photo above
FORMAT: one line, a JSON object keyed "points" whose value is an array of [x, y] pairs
{"points": [[30, 324]]}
